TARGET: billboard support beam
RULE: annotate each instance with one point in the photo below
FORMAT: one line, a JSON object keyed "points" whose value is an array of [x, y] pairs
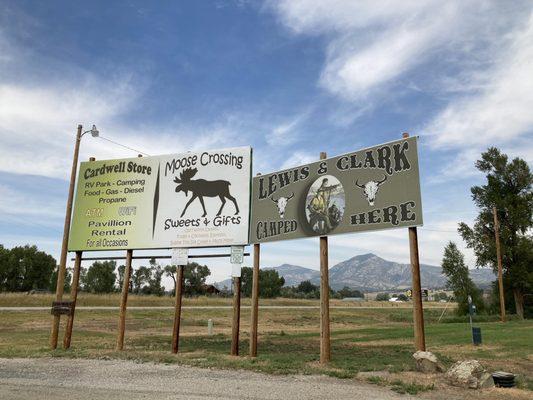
{"points": [[177, 310], [325, 345], [236, 316], [124, 300], [255, 301], [64, 245], [73, 298], [418, 310]]}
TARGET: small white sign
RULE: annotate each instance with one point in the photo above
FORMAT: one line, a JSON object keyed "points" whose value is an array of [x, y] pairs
{"points": [[180, 256], [237, 254], [236, 260], [236, 270]]}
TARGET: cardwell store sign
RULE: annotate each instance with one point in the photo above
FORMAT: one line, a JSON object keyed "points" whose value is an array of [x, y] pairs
{"points": [[370, 189], [181, 200]]}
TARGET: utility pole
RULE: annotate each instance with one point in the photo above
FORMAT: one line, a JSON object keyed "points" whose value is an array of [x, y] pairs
{"points": [[500, 269]]}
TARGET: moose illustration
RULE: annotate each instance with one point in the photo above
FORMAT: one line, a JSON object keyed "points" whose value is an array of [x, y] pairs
{"points": [[201, 188], [370, 189]]}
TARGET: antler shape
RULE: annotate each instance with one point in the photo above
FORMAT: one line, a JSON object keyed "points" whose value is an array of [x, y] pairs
{"points": [[383, 180], [358, 185]]}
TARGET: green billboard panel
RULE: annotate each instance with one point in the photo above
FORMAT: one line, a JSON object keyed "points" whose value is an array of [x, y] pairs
{"points": [[370, 189], [196, 199]]}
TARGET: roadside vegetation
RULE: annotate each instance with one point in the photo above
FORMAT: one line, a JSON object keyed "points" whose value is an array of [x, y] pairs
{"points": [[379, 339]]}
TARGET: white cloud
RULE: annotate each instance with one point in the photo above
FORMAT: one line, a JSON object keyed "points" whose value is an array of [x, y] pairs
{"points": [[299, 158], [501, 109], [286, 133]]}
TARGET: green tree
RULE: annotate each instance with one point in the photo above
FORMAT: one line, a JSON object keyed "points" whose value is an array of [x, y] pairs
{"points": [[246, 281], [403, 297], [307, 287], [456, 271], [140, 278], [170, 271], [24, 268], [154, 282], [120, 277], [270, 283], [347, 292], [53, 280], [194, 276], [382, 297], [100, 277], [509, 189]]}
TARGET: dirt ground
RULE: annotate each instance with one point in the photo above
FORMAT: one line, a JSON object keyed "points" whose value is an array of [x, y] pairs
{"points": [[48, 378]]}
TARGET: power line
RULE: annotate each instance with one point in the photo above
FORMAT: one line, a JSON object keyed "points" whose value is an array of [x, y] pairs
{"points": [[122, 145]]}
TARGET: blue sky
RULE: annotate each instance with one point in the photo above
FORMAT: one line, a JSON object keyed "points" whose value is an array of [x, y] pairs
{"points": [[289, 78]]}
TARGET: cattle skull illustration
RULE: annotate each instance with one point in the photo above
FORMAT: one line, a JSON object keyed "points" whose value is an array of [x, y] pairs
{"points": [[281, 203], [370, 189]]}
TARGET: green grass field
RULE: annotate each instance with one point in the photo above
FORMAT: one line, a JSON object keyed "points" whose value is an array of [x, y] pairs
{"points": [[362, 339]]}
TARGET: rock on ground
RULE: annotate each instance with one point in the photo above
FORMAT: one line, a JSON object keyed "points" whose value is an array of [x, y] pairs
{"points": [[427, 362], [469, 374]]}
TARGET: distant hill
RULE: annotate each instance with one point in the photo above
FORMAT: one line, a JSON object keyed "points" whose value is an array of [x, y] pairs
{"points": [[369, 272]]}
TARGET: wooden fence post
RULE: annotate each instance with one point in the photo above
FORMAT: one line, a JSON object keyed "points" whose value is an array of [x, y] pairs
{"points": [[500, 269], [255, 301], [236, 316], [73, 298], [124, 300], [177, 310], [325, 345]]}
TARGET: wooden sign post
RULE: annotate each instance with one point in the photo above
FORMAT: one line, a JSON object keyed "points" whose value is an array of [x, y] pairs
{"points": [[236, 316], [177, 310], [73, 298], [255, 302], [124, 300], [64, 246], [73, 294], [418, 311], [325, 349], [500, 269]]}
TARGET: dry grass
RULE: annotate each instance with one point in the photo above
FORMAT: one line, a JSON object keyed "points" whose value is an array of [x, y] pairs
{"points": [[363, 339]]}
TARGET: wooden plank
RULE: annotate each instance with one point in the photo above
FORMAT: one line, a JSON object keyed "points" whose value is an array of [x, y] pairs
{"points": [[124, 300], [156, 256], [73, 298], [255, 302], [500, 268], [325, 344], [177, 309], [236, 316], [418, 311]]}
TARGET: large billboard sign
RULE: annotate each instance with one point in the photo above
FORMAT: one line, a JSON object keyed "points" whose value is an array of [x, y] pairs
{"points": [[370, 189], [196, 199]]}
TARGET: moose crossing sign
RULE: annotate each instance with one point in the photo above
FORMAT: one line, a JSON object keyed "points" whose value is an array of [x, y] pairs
{"points": [[369, 189], [182, 200]]}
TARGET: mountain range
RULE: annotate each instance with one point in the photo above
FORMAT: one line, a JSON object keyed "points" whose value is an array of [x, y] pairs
{"points": [[368, 272]]}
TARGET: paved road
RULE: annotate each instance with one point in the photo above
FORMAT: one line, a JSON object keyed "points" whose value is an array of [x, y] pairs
{"points": [[49, 378]]}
